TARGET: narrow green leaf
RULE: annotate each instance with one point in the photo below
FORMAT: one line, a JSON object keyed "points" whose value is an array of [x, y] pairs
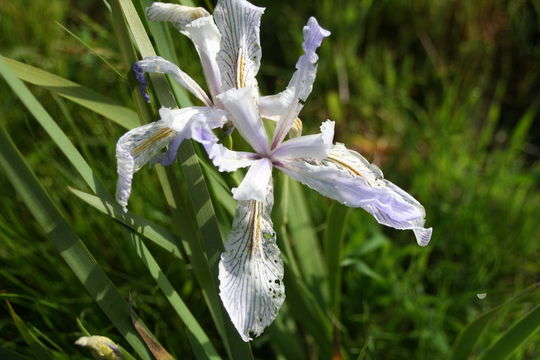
{"points": [[90, 99], [514, 337], [37, 347], [54, 131], [92, 50], [470, 335], [74, 252], [196, 332], [306, 243], [157, 234], [334, 234]]}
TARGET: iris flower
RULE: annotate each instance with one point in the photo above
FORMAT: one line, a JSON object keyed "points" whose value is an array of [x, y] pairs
{"points": [[251, 269]]}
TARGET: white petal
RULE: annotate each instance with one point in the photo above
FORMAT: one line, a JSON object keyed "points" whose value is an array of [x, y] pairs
{"points": [[178, 15], [199, 26], [245, 117], [254, 186], [307, 146], [160, 65], [301, 83], [251, 269], [144, 143], [350, 179], [134, 149], [186, 122], [240, 54], [205, 36]]}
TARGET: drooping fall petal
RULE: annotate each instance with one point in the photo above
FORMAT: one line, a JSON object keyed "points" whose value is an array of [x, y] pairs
{"points": [[251, 269]]}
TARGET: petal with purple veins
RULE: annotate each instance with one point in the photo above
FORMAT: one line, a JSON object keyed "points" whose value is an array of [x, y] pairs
{"points": [[251, 269]]}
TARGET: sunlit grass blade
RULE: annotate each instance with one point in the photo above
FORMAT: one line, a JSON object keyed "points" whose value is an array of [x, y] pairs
{"points": [[514, 337], [54, 131], [74, 252], [157, 234], [79, 94]]}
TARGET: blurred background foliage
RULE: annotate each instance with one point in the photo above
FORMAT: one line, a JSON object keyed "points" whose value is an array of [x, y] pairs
{"points": [[443, 95]]}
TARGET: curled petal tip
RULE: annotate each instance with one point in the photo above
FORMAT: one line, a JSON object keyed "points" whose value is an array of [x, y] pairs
{"points": [[423, 236], [314, 33]]}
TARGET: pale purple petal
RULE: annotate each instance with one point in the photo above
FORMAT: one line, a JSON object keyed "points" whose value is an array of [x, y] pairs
{"points": [[254, 186], [245, 117], [240, 53], [347, 177], [301, 83], [251, 270], [158, 64], [307, 146]]}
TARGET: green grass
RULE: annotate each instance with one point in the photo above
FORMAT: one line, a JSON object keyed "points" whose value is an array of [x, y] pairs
{"points": [[443, 95]]}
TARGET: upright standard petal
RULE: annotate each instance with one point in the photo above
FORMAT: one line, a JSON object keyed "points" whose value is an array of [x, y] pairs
{"points": [[160, 65], [245, 117], [347, 177], [251, 269], [254, 186], [198, 25], [301, 83], [134, 149], [240, 54]]}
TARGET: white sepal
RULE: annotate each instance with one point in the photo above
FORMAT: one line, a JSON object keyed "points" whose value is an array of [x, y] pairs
{"points": [[347, 177], [251, 269]]}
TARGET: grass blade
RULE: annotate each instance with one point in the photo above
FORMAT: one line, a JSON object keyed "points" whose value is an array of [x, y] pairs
{"points": [[54, 131], [74, 252], [37, 347], [90, 99], [333, 240], [160, 236], [470, 335], [305, 240], [513, 338]]}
